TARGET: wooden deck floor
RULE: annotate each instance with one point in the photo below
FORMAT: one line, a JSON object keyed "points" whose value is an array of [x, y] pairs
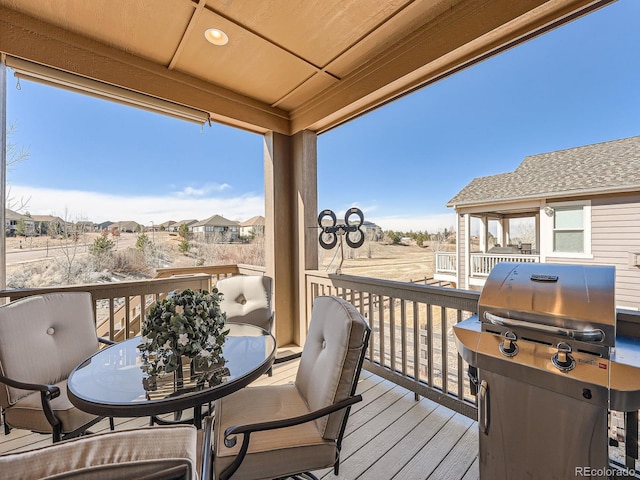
{"points": [[389, 435]]}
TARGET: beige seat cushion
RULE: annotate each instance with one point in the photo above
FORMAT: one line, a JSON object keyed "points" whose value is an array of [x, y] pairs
{"points": [[43, 337], [125, 454], [247, 299], [27, 413], [330, 358], [272, 453]]}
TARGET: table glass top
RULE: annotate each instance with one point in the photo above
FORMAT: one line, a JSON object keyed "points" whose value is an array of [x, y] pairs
{"points": [[117, 376]]}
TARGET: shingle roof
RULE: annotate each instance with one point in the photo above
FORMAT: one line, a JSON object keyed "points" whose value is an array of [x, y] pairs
{"points": [[216, 221], [592, 169], [253, 221]]}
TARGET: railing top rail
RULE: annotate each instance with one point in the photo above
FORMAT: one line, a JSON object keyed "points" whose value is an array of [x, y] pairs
{"points": [[119, 289], [466, 300]]}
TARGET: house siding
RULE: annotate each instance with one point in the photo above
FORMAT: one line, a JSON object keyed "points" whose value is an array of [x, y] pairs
{"points": [[615, 233]]}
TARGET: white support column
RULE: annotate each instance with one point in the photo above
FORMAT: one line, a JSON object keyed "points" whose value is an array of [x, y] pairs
{"points": [[483, 233]]}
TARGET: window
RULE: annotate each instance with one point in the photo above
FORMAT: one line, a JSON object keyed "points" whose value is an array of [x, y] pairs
{"points": [[565, 229], [568, 229]]}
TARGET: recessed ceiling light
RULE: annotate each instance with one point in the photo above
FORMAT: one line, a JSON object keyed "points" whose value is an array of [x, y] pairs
{"points": [[216, 36]]}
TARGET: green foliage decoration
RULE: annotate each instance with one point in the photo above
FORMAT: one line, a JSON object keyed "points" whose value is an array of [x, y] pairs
{"points": [[186, 323]]}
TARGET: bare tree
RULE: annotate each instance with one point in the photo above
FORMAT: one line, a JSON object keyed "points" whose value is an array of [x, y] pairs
{"points": [[73, 239], [15, 155]]}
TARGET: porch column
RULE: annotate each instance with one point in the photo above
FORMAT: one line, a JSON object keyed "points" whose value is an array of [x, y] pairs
{"points": [[290, 164], [483, 234]]}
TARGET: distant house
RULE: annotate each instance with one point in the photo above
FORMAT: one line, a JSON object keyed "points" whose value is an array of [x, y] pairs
{"points": [[253, 227], [582, 205], [128, 226], [176, 225], [216, 229], [48, 224], [12, 223], [103, 226], [164, 226]]}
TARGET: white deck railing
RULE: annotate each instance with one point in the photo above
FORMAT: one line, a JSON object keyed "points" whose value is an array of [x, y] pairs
{"points": [[483, 263], [446, 262]]}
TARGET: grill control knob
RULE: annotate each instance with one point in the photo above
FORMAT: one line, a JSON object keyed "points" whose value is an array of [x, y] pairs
{"points": [[563, 360], [508, 346]]}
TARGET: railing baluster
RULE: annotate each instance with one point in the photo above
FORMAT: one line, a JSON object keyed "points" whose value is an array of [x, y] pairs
{"points": [[443, 349], [403, 335], [381, 335], [127, 316], [392, 332], [416, 347], [430, 356]]}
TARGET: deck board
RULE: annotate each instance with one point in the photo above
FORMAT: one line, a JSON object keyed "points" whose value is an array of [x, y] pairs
{"points": [[390, 435]]}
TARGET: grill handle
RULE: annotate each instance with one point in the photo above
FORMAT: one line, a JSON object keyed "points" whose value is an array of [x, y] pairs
{"points": [[483, 407], [595, 335]]}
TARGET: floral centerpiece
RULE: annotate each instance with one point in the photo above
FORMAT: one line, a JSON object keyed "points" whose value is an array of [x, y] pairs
{"points": [[186, 323]]}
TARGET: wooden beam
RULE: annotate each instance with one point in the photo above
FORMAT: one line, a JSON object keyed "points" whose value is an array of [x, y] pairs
{"points": [[466, 34], [31, 39]]}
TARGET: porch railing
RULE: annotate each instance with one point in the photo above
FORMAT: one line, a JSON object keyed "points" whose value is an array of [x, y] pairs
{"points": [[446, 262], [411, 340], [483, 263]]}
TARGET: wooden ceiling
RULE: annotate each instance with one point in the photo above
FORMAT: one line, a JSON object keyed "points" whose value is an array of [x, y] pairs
{"points": [[289, 65]]}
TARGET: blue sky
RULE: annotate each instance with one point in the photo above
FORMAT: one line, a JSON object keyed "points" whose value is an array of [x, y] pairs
{"points": [[95, 160]]}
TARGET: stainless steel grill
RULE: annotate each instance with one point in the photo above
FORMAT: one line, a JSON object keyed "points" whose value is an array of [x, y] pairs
{"points": [[547, 368]]}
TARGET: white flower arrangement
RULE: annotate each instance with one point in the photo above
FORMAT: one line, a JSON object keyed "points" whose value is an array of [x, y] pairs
{"points": [[186, 323]]}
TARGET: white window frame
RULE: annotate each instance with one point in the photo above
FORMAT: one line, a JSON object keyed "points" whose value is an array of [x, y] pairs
{"points": [[547, 229]]}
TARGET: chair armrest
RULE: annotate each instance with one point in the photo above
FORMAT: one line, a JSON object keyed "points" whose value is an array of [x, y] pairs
{"points": [[51, 391], [106, 341], [247, 429]]}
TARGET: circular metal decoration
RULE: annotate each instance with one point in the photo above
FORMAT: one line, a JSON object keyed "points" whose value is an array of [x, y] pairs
{"points": [[327, 238], [355, 235]]}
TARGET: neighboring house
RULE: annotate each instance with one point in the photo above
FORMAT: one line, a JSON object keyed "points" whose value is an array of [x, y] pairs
{"points": [[12, 220], [127, 226], [254, 227], [48, 224], [216, 229], [176, 225], [84, 226], [164, 226], [103, 226], [583, 205]]}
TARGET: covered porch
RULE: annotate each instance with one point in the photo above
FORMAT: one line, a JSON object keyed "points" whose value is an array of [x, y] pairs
{"points": [[486, 238]]}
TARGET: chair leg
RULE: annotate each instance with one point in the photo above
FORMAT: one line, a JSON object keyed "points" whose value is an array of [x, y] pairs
{"points": [[112, 427], [57, 433], [7, 428]]}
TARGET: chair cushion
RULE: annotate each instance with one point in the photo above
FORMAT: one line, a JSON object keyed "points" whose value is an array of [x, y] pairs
{"points": [[330, 358], [247, 299], [275, 453], [124, 454], [43, 337], [27, 413]]}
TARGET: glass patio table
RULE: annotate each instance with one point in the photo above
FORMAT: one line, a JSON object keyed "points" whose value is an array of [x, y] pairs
{"points": [[113, 382]]}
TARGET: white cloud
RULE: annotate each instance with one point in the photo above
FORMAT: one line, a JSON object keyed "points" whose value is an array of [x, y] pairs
{"points": [[99, 207], [405, 223], [202, 191]]}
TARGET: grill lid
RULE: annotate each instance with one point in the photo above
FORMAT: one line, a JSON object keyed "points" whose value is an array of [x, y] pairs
{"points": [[576, 301]]}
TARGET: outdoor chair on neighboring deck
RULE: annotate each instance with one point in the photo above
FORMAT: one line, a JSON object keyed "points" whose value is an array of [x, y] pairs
{"points": [[282, 430], [43, 338], [151, 453]]}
